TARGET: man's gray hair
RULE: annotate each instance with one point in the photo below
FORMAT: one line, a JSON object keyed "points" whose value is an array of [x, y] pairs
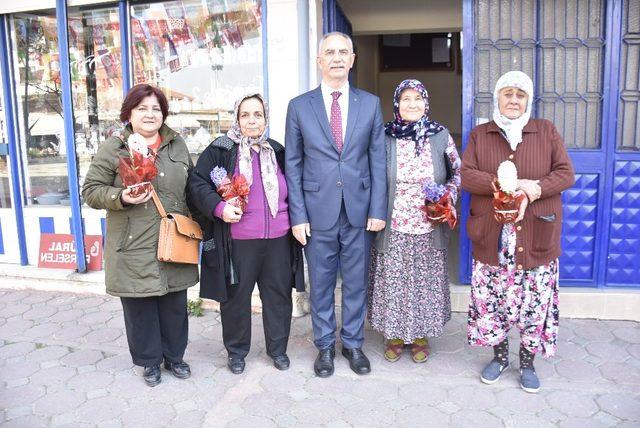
{"points": [[334, 33]]}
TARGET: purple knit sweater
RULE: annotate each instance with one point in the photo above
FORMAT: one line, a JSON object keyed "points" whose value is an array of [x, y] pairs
{"points": [[257, 221]]}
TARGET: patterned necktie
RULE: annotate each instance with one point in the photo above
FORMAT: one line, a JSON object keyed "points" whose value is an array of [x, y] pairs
{"points": [[336, 120]]}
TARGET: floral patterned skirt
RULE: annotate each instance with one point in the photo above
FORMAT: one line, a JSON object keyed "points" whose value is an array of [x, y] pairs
{"points": [[503, 296], [409, 288]]}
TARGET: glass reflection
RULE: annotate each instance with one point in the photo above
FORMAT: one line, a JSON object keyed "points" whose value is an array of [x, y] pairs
{"points": [[204, 55]]}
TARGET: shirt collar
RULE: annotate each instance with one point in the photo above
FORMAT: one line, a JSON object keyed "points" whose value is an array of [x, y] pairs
{"points": [[327, 90]]}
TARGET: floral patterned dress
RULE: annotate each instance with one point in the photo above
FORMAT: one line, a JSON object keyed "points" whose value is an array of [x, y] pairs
{"points": [[409, 284], [503, 296]]}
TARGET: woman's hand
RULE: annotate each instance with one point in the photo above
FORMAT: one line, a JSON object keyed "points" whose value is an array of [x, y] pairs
{"points": [[523, 207], [231, 214], [127, 199], [531, 188]]}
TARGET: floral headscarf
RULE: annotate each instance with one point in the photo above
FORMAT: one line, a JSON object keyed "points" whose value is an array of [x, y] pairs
{"points": [[268, 163], [417, 131], [512, 128]]}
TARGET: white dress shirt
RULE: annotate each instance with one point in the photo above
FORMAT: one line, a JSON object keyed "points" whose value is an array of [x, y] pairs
{"points": [[343, 101]]}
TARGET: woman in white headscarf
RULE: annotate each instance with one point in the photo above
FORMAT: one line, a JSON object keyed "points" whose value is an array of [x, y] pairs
{"points": [[242, 247], [514, 280]]}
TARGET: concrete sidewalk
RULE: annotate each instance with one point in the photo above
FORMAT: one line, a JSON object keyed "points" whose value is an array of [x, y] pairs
{"points": [[64, 361]]}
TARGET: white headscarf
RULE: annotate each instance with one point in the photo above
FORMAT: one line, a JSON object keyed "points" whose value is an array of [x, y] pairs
{"points": [[513, 127]]}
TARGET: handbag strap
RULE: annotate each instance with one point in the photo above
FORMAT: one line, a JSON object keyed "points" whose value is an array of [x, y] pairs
{"points": [[156, 200]]}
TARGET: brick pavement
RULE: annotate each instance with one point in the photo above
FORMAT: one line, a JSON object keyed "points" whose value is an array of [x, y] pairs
{"points": [[64, 362]]}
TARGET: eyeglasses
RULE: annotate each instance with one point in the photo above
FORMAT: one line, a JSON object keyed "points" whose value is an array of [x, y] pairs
{"points": [[342, 53]]}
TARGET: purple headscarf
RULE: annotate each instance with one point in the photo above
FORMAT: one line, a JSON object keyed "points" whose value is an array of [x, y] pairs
{"points": [[417, 131]]}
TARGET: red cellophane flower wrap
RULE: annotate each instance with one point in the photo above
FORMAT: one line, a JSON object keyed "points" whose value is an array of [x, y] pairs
{"points": [[506, 206], [138, 169], [235, 191], [442, 211]]}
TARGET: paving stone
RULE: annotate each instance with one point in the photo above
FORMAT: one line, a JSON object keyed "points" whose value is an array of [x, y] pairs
{"points": [[414, 416], [34, 298], [577, 370], [102, 409], [192, 418], [103, 335], [552, 415], [422, 393], [621, 406], [97, 393], [570, 350], [317, 411], [17, 412], [474, 419], [290, 421], [65, 419], [621, 373], [83, 357], [27, 421], [88, 302], [114, 423], [609, 351], [251, 421], [267, 405], [15, 349], [47, 353], [634, 351], [283, 382], [20, 396], [629, 334], [95, 318], [469, 397], [41, 331], [16, 382], [123, 362], [527, 421], [59, 402], [16, 295], [517, 400], [581, 423], [72, 332], [606, 419], [185, 406], [367, 414], [66, 315], [373, 390], [89, 381], [14, 309], [52, 376], [39, 312], [572, 404], [593, 331], [139, 416]]}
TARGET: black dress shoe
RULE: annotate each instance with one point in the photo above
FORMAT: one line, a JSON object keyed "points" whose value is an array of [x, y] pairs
{"points": [[358, 362], [152, 375], [323, 365], [281, 362], [180, 370], [236, 365]]}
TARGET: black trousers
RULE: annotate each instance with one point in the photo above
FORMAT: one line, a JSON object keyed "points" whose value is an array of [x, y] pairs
{"points": [[267, 262], [157, 327]]}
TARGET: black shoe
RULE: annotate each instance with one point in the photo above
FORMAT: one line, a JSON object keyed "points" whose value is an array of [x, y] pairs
{"points": [[236, 365], [180, 370], [358, 362], [152, 375], [281, 362], [323, 365]]}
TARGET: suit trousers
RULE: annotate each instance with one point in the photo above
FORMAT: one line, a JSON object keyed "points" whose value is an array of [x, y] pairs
{"points": [[347, 248], [157, 327], [267, 262]]}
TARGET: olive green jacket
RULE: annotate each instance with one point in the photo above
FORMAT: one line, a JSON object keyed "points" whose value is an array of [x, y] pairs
{"points": [[131, 265]]}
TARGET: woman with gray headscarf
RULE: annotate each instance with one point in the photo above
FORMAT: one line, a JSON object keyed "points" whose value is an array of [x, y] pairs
{"points": [[248, 245], [514, 280]]}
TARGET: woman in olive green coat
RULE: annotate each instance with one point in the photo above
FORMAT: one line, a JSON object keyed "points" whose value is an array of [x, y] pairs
{"points": [[153, 293]]}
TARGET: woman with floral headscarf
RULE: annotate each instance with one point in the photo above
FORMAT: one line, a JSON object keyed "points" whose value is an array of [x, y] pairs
{"points": [[514, 280], [251, 243], [408, 278]]}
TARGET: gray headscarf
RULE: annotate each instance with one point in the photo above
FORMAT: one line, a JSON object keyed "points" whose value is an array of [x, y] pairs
{"points": [[268, 162]]}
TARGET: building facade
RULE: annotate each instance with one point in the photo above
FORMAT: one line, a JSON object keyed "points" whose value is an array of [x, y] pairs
{"points": [[66, 65]]}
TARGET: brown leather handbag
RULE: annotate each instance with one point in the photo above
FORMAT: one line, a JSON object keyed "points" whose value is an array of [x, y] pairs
{"points": [[180, 236]]}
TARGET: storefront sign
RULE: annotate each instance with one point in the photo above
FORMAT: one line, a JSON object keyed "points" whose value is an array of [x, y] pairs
{"points": [[59, 251]]}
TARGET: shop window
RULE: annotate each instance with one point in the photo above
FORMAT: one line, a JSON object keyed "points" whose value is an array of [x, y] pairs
{"points": [[203, 55], [96, 79], [37, 79], [5, 189]]}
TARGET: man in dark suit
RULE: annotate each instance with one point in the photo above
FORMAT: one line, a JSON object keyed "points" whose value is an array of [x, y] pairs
{"points": [[336, 176]]}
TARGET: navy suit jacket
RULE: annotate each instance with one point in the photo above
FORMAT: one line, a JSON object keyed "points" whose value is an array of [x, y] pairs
{"points": [[319, 177]]}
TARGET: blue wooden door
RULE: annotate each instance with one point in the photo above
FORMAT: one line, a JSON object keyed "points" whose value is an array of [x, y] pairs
{"points": [[571, 49]]}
